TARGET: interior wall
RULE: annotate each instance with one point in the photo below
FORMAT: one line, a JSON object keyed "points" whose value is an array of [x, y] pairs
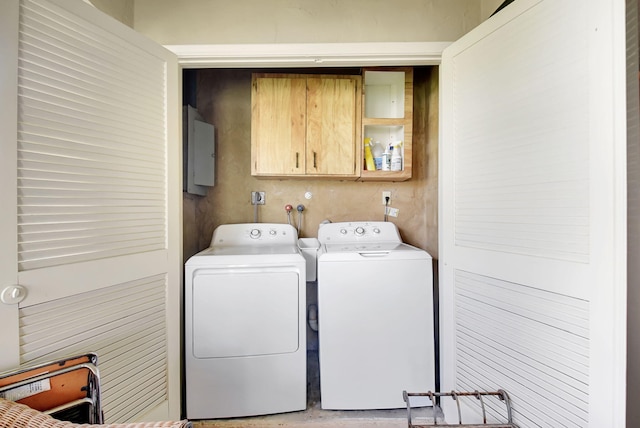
{"points": [[432, 115], [173, 22], [487, 7], [224, 99], [122, 10]]}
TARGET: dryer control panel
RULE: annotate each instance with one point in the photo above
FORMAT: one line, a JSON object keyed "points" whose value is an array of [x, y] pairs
{"points": [[254, 234]]}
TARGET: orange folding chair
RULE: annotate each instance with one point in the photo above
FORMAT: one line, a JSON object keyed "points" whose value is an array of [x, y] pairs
{"points": [[67, 389]]}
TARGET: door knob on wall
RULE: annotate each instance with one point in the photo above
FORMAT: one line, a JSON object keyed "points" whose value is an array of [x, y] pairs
{"points": [[13, 294]]}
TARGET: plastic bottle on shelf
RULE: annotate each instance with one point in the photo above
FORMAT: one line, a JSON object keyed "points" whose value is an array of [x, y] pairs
{"points": [[368, 156], [386, 159], [377, 150], [396, 158]]}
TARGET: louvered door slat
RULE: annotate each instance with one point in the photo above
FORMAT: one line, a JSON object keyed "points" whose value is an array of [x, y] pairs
{"points": [[124, 325], [66, 83]]}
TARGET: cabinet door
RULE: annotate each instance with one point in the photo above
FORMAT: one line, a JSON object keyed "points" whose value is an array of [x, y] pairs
{"points": [[332, 125], [278, 114]]}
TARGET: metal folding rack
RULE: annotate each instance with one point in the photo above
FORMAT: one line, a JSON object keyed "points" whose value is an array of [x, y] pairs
{"points": [[501, 395]]}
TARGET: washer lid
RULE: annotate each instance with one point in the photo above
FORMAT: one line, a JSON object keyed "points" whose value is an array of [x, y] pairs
{"points": [[355, 247], [370, 252]]}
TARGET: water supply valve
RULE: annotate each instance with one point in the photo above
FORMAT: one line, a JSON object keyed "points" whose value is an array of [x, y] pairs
{"points": [[288, 208]]}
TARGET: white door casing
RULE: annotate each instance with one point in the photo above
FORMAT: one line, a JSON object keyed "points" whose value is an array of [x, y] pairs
{"points": [[91, 190], [533, 212], [8, 190]]}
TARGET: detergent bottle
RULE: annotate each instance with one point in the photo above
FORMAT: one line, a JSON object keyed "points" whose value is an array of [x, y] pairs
{"points": [[368, 156], [377, 150], [386, 158], [396, 158]]}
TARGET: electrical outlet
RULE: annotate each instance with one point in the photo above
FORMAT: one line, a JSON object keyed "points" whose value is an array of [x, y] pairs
{"points": [[386, 194], [257, 198], [393, 212]]}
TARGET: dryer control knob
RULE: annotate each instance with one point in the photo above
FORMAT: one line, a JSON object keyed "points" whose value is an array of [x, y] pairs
{"points": [[272, 232], [359, 231], [376, 230], [343, 231], [255, 233]]}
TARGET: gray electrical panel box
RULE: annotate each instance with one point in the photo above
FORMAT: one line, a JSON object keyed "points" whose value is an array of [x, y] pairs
{"points": [[199, 153]]}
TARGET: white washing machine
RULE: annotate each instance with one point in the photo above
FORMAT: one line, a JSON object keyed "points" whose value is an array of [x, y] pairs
{"points": [[375, 313], [245, 325]]}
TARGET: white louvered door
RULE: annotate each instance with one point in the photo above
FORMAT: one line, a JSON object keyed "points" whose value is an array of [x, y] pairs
{"points": [[91, 195], [532, 212]]}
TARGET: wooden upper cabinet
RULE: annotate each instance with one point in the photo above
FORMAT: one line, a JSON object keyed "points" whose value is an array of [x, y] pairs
{"points": [[305, 125], [332, 124], [278, 122], [387, 118]]}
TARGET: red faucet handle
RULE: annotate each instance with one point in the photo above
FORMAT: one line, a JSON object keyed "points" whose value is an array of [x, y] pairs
{"points": [[288, 208]]}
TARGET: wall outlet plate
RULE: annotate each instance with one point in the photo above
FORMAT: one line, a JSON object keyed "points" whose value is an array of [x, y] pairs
{"points": [[385, 194], [257, 198]]}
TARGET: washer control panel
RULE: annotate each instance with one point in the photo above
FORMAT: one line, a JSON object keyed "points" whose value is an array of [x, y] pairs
{"points": [[254, 234], [358, 232]]}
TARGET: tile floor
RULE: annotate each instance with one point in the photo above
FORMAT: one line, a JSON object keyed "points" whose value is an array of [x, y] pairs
{"points": [[315, 417]]}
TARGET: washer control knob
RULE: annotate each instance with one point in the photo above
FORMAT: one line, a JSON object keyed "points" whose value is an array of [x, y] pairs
{"points": [[255, 233], [376, 230], [272, 232], [343, 231], [359, 231]]}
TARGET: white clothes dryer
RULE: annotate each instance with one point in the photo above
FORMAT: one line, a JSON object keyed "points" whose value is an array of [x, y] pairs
{"points": [[375, 314], [245, 325]]}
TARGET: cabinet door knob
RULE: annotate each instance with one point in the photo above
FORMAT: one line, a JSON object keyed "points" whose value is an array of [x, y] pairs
{"points": [[297, 158], [315, 163], [13, 294]]}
